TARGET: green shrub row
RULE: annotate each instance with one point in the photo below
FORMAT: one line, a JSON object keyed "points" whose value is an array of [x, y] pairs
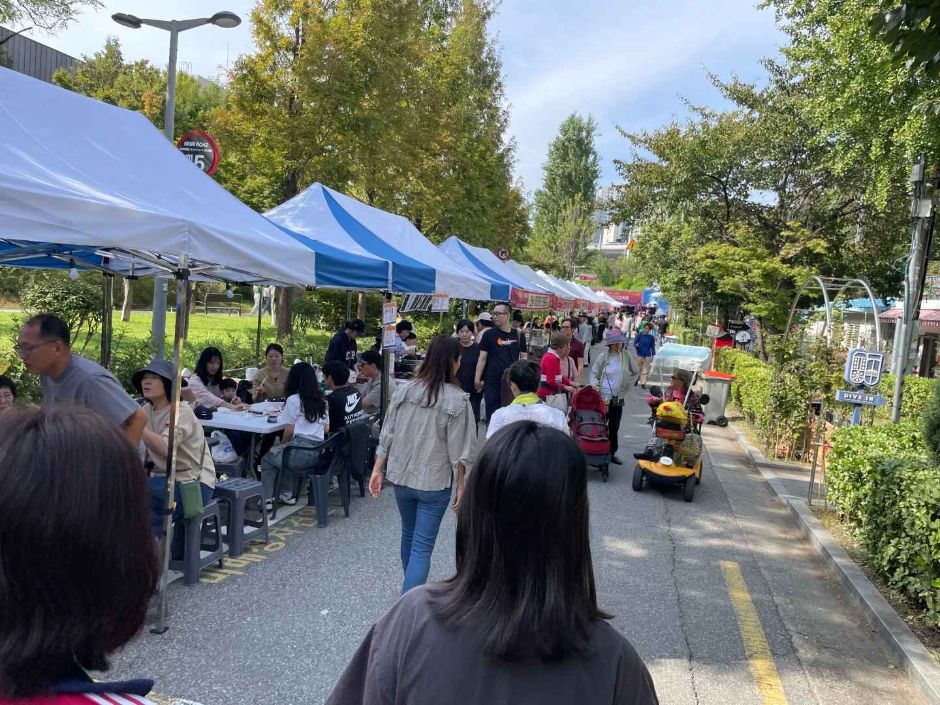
{"points": [[883, 482], [914, 396]]}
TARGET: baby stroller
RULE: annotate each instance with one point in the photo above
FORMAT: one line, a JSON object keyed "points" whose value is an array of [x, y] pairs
{"points": [[588, 422]]}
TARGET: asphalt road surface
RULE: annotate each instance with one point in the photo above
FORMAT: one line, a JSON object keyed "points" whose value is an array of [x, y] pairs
{"points": [[723, 598]]}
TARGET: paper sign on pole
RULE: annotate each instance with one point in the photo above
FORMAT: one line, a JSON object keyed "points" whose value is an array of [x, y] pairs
{"points": [[389, 313], [389, 336], [440, 303]]}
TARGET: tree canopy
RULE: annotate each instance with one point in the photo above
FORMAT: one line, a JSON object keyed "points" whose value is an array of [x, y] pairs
{"points": [[565, 204], [398, 104], [50, 15]]}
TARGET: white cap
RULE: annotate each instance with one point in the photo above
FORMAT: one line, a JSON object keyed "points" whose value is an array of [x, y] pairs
{"points": [[485, 316]]}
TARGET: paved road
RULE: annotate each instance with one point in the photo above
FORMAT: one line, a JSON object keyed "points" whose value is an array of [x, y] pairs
{"points": [[722, 597]]}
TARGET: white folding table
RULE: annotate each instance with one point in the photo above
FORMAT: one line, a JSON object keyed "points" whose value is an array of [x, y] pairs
{"points": [[256, 424]]}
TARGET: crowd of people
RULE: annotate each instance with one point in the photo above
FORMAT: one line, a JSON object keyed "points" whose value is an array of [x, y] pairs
{"points": [[520, 494]]}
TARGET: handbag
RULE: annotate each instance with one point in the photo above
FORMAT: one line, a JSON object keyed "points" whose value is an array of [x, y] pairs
{"points": [[191, 496], [558, 401]]}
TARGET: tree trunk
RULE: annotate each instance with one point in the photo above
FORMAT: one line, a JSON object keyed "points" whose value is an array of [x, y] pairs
{"points": [[759, 340], [128, 299], [361, 306], [285, 296]]}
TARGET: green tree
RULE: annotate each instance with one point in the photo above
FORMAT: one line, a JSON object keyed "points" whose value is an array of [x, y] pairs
{"points": [[50, 15], [741, 205], [912, 30], [398, 104], [874, 118], [140, 86], [564, 205]]}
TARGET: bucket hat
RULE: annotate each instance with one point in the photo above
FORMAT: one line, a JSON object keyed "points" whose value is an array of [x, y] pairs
{"points": [[614, 337], [163, 368]]}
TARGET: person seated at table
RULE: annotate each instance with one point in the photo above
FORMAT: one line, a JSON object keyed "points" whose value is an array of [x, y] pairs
{"points": [[344, 400], [7, 393], [79, 573], [229, 389], [524, 380], [411, 345], [307, 424], [193, 459], [271, 381], [370, 367], [205, 383]]}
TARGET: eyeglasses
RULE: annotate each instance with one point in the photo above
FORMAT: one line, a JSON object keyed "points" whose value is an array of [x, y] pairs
{"points": [[566, 325], [500, 313], [25, 351]]}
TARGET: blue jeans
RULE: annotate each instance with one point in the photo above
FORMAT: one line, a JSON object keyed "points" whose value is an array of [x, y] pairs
{"points": [[421, 514]]}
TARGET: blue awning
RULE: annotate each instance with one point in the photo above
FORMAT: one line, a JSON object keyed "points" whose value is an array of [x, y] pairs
{"points": [[352, 228], [462, 253]]}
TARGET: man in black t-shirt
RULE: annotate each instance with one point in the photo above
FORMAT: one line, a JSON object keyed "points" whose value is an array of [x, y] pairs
{"points": [[343, 346], [344, 401], [499, 348]]}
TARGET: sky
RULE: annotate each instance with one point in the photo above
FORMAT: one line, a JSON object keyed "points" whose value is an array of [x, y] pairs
{"points": [[627, 63]]}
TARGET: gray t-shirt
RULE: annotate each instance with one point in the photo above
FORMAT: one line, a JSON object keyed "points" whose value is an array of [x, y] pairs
{"points": [[410, 656], [86, 383]]}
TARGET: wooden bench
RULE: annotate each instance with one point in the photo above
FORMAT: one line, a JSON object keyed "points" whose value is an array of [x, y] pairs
{"points": [[222, 304]]}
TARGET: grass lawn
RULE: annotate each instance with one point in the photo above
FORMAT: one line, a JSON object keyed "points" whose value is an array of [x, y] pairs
{"points": [[233, 335], [214, 327]]}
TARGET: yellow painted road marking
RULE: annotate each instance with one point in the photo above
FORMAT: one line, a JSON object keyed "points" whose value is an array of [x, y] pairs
{"points": [[759, 657]]}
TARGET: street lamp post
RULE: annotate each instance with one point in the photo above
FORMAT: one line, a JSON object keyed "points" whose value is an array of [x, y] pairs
{"points": [[226, 20]]}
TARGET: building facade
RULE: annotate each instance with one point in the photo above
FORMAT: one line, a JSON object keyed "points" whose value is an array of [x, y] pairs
{"points": [[611, 238], [28, 56]]}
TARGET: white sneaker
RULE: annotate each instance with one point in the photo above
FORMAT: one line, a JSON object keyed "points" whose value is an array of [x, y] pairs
{"points": [[268, 505], [288, 498]]}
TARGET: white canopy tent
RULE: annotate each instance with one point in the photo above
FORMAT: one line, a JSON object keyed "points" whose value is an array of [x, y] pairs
{"points": [[81, 178]]}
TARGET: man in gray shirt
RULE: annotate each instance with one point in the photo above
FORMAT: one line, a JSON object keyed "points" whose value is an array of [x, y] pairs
{"points": [[44, 345]]}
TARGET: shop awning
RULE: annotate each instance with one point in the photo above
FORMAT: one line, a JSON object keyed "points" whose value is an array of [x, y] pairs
{"points": [[928, 317]]}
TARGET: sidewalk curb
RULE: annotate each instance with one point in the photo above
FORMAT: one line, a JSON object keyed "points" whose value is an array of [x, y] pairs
{"points": [[917, 661]]}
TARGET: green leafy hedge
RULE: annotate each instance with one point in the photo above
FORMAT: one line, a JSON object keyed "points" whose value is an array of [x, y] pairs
{"points": [[881, 479], [914, 396]]}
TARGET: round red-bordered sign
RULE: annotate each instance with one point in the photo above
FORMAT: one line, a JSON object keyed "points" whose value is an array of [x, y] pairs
{"points": [[201, 149]]}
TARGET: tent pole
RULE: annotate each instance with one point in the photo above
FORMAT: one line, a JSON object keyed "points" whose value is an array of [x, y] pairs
{"points": [[107, 317], [169, 503], [258, 336], [349, 305], [388, 368], [464, 309]]}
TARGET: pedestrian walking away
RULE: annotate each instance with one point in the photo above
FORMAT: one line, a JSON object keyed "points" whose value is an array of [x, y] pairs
{"points": [[427, 446], [522, 539], [611, 374]]}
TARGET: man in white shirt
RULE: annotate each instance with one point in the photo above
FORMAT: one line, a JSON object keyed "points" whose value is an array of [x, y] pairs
{"points": [[524, 378]]}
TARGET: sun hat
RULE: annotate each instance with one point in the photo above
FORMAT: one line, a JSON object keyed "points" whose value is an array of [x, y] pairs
{"points": [[614, 337], [162, 368]]}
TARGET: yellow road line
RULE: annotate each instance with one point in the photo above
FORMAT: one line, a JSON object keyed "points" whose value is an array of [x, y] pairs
{"points": [[759, 657]]}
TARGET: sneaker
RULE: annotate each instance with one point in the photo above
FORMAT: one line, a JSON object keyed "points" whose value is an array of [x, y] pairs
{"points": [[269, 505], [288, 498]]}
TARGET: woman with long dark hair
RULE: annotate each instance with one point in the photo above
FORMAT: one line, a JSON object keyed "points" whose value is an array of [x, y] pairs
{"points": [[519, 621], [77, 575], [469, 354], [205, 382], [428, 433], [307, 425]]}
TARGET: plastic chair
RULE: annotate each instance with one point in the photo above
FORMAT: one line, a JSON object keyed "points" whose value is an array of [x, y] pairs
{"points": [[205, 526], [237, 494], [304, 462]]}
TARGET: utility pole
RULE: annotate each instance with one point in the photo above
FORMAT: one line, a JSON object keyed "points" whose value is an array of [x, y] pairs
{"points": [[921, 234]]}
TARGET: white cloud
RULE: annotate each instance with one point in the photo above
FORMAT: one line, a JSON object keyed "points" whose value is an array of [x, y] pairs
{"points": [[609, 63]]}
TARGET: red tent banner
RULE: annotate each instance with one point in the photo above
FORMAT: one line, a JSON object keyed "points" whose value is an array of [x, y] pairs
{"points": [[530, 301], [627, 298]]}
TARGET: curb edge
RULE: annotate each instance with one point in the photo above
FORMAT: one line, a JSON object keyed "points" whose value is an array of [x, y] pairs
{"points": [[917, 661]]}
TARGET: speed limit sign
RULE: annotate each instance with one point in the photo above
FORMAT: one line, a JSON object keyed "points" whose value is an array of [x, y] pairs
{"points": [[201, 150]]}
